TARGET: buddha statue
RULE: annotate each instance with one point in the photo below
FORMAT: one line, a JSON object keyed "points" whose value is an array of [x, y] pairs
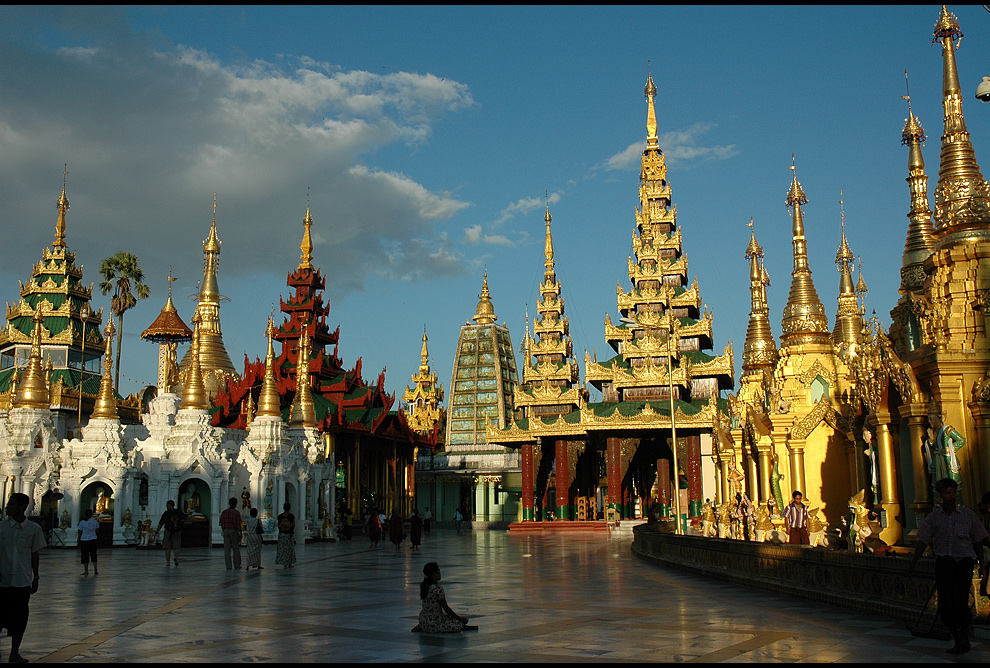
{"points": [[190, 501], [101, 508]]}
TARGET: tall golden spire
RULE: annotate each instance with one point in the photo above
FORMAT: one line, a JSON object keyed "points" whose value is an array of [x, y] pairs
{"points": [[32, 390], [962, 196], [214, 362], [760, 349], [268, 401], [804, 319], [848, 318], [194, 392], [105, 407], [920, 240], [548, 246], [302, 412], [306, 247], [63, 208], [485, 313]]}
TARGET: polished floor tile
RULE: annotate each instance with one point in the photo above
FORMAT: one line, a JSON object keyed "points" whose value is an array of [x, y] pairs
{"points": [[549, 599]]}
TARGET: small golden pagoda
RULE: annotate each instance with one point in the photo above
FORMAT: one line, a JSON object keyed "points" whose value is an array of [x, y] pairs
{"points": [[214, 362], [423, 401], [302, 413]]}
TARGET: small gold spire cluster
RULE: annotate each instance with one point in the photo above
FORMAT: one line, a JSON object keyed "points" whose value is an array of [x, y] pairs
{"points": [[268, 400], [804, 318], [194, 392], [760, 350], [106, 403], [847, 332], [302, 413], [306, 247], [32, 390], [423, 400]]}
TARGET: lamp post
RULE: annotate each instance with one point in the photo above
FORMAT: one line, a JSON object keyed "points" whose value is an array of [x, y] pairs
{"points": [[84, 314], [673, 430]]}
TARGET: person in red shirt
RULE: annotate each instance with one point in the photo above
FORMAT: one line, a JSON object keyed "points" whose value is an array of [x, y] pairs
{"points": [[230, 524]]}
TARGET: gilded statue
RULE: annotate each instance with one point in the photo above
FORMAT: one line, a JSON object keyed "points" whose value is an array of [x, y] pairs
{"points": [[127, 518], [708, 520], [724, 520], [775, 477], [64, 521], [864, 531], [246, 499], [816, 528], [764, 525], [190, 501], [940, 452]]}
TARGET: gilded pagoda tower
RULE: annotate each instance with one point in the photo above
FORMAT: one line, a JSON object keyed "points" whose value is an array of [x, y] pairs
{"points": [[953, 304], [70, 336], [660, 392], [424, 400], [214, 362]]}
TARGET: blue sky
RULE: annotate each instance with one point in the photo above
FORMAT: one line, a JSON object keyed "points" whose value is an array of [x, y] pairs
{"points": [[428, 138]]}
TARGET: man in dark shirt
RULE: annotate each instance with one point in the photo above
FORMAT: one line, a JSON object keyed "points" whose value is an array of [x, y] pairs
{"points": [[172, 520], [959, 537], [230, 525]]}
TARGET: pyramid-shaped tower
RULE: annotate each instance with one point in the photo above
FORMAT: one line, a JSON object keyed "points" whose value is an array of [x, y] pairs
{"points": [[55, 291]]}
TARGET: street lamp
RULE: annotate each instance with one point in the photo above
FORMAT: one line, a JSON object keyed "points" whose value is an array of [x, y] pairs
{"points": [[84, 314]]}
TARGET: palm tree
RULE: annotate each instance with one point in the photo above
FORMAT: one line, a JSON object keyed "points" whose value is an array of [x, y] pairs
{"points": [[121, 272]]}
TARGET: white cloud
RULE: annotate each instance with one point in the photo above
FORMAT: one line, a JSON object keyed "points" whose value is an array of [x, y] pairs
{"points": [[677, 145], [473, 236], [150, 134]]}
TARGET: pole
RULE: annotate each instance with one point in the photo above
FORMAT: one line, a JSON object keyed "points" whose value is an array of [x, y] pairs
{"points": [[82, 369], [673, 433]]}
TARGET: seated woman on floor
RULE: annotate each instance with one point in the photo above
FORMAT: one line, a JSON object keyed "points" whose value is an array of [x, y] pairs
{"points": [[436, 616]]}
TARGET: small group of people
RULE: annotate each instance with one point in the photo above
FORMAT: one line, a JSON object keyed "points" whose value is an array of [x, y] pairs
{"points": [[378, 523], [231, 523]]}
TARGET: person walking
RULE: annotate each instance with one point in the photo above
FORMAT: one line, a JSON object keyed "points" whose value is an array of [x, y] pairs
{"points": [[374, 529], [959, 538], [796, 516], [20, 541], [172, 520], [458, 518], [415, 529], [427, 519], [87, 542], [254, 533], [285, 553], [230, 526], [395, 528]]}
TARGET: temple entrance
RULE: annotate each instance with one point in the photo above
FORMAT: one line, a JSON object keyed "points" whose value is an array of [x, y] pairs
{"points": [[98, 497], [195, 501]]}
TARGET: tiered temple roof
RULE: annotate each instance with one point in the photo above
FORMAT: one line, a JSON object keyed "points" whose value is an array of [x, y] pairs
{"points": [[661, 316], [341, 399], [56, 293], [550, 377], [424, 412]]}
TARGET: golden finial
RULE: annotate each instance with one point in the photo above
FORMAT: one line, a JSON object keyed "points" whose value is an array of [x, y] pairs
{"points": [[306, 247], [844, 256], [913, 132], [485, 313], [32, 390], [268, 400], [63, 208], [548, 246], [651, 112], [105, 407], [302, 413]]}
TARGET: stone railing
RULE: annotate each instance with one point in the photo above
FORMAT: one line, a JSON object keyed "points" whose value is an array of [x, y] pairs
{"points": [[862, 581]]}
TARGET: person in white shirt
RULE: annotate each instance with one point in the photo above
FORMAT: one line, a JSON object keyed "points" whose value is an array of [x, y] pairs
{"points": [[87, 541], [20, 541]]}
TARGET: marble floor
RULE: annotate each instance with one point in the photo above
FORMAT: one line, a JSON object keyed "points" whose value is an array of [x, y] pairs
{"points": [[536, 598]]}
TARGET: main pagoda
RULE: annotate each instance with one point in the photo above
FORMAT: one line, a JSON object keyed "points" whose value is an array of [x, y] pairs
{"points": [[659, 382]]}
